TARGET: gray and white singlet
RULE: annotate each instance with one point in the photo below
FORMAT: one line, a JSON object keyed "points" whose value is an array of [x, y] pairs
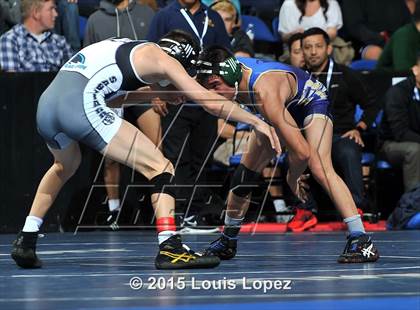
{"points": [[73, 107]]}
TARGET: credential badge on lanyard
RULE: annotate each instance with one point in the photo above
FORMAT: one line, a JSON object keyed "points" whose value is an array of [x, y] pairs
{"points": [[329, 74], [194, 28], [416, 95]]}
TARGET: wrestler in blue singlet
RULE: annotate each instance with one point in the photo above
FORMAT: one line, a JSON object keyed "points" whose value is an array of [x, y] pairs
{"points": [[310, 97]]}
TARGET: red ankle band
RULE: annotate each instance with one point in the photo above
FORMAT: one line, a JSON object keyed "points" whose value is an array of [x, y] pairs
{"points": [[165, 223]]}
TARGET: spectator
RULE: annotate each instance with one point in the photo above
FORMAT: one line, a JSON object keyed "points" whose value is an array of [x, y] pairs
{"points": [[345, 91], [118, 18], [400, 128], [188, 143], [67, 22], [411, 4], [295, 50], [370, 23], [31, 46], [241, 44], [400, 52], [236, 4], [300, 15]]}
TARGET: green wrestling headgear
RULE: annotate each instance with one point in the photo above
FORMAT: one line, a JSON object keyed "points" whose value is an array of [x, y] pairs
{"points": [[217, 60]]}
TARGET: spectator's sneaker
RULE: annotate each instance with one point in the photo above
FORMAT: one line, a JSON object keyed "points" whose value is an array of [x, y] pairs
{"points": [[303, 220], [111, 220], [24, 250], [223, 247], [359, 249], [195, 225], [175, 255]]}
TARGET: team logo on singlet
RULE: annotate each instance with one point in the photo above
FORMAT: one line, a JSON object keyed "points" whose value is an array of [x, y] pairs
{"points": [[108, 118], [76, 62], [313, 90]]}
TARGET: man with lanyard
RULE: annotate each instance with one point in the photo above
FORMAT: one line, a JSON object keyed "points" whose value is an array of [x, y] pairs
{"points": [[345, 90], [292, 102], [189, 132]]}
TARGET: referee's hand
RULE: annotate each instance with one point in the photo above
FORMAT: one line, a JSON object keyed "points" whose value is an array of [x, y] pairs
{"points": [[160, 107]]}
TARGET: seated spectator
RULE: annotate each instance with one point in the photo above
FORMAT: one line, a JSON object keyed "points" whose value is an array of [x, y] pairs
{"points": [[295, 50], [236, 4], [345, 91], [118, 18], [400, 52], [241, 44], [31, 46], [370, 23], [401, 127], [300, 15]]}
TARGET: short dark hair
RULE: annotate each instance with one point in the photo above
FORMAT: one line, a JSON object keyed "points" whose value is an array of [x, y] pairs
{"points": [[216, 53], [316, 31], [295, 37]]}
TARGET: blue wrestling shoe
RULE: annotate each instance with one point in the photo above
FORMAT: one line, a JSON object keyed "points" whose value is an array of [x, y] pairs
{"points": [[359, 249], [223, 247]]}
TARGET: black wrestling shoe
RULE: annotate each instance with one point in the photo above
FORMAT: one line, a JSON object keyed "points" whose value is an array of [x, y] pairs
{"points": [[223, 247], [175, 255], [111, 220], [24, 250], [359, 249]]}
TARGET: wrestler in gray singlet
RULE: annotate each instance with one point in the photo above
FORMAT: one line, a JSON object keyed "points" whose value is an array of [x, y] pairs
{"points": [[73, 107]]}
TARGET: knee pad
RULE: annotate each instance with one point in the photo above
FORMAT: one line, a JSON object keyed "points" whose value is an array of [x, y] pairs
{"points": [[243, 181], [163, 183]]}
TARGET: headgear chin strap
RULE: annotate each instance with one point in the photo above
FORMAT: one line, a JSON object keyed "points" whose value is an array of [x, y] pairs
{"points": [[183, 52], [229, 70], [236, 91]]}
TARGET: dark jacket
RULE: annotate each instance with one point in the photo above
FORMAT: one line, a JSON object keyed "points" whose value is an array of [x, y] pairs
{"points": [[133, 22], [345, 91], [400, 53], [401, 121], [170, 18], [364, 20], [408, 206]]}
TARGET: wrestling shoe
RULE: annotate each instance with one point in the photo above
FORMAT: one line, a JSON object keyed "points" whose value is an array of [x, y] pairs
{"points": [[223, 247], [303, 220], [359, 249], [195, 225], [24, 250], [175, 255], [111, 220]]}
